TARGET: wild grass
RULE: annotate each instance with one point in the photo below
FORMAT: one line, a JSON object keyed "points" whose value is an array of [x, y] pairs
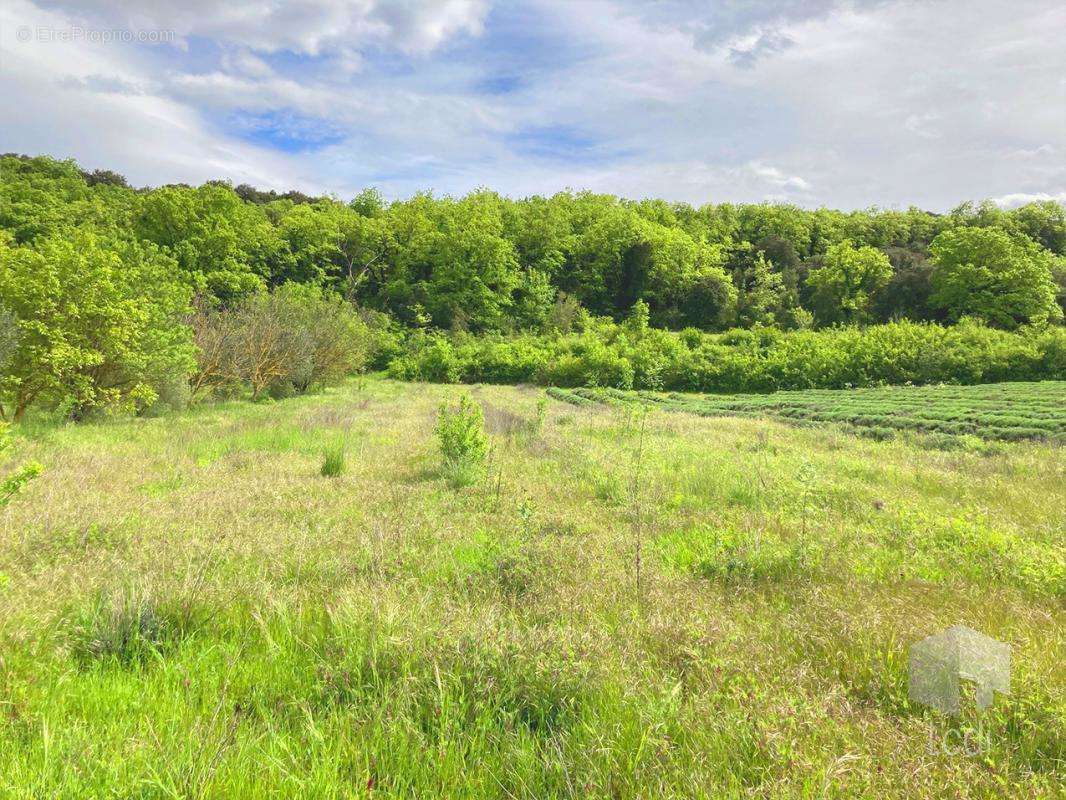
{"points": [[189, 610], [736, 556], [334, 461]]}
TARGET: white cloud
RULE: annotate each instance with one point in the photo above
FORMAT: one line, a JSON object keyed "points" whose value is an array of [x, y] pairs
{"points": [[776, 177], [923, 125], [246, 63], [846, 104], [90, 102], [1021, 198], [308, 26]]}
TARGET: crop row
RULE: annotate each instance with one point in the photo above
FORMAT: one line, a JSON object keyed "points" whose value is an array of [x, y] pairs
{"points": [[1005, 411]]}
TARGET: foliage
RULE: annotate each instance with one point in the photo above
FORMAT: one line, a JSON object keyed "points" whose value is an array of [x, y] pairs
{"points": [[463, 442], [486, 263], [845, 283], [758, 360], [984, 272], [223, 247], [12, 484], [295, 291], [98, 324], [281, 342]]}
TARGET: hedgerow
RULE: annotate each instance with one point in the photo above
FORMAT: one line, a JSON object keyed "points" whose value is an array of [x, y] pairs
{"points": [[760, 360]]}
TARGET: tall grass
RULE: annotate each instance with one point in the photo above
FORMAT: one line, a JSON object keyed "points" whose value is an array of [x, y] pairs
{"points": [[251, 631], [334, 461]]}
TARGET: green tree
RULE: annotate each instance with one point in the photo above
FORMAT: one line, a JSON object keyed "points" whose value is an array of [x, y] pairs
{"points": [[986, 273], [98, 324], [333, 243], [1058, 274], [1044, 223], [687, 284], [906, 295], [762, 296], [225, 248], [846, 281], [758, 222], [368, 203]]}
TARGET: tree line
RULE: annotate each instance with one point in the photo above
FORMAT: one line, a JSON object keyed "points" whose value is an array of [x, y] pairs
{"points": [[108, 291]]}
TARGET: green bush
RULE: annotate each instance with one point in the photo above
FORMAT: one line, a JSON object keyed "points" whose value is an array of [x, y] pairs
{"points": [[430, 358], [758, 360], [279, 343], [463, 442]]}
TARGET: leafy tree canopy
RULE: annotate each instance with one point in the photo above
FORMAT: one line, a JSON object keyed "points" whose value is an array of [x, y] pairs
{"points": [[986, 273]]}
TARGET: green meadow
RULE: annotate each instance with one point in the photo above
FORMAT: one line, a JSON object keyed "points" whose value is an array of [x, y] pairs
{"points": [[299, 597]]}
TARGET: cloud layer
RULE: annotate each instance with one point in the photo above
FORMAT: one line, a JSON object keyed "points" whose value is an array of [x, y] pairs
{"points": [[845, 104]]}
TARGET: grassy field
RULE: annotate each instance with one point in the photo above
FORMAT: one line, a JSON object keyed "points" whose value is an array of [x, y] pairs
{"points": [[289, 599], [998, 411]]}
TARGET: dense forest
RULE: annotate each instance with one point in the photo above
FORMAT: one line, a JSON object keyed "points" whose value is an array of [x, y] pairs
{"points": [[113, 296]]}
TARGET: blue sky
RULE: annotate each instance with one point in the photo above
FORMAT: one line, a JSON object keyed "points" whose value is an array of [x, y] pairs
{"points": [[815, 102]]}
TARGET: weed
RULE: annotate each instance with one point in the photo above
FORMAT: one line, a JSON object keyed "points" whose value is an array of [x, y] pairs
{"points": [[734, 555], [538, 421], [463, 443], [636, 505], [14, 483], [128, 629], [334, 462]]}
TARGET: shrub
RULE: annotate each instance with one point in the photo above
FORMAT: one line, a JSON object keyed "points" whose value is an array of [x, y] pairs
{"points": [[279, 343], [328, 338], [428, 358], [757, 360], [463, 443]]}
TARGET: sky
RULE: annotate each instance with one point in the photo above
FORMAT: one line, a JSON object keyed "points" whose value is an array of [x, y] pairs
{"points": [[886, 103]]}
